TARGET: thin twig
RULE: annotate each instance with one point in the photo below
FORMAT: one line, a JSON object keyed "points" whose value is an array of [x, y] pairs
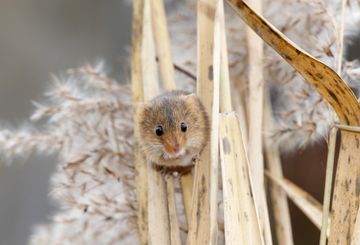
{"points": [[355, 129], [341, 36], [185, 72], [182, 70], [303, 200]]}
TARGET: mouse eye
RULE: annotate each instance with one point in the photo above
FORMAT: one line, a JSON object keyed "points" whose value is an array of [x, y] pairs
{"points": [[159, 130], [183, 127]]}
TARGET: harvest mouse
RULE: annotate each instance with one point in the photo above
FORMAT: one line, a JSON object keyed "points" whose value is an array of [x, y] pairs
{"points": [[173, 129]]}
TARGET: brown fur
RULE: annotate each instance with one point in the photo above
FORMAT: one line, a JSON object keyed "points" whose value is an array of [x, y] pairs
{"points": [[169, 110]]}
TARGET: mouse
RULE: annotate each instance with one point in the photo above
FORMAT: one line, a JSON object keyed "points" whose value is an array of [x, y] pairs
{"points": [[173, 128]]}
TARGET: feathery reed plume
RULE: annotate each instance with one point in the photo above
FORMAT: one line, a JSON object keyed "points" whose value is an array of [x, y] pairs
{"points": [[89, 125]]}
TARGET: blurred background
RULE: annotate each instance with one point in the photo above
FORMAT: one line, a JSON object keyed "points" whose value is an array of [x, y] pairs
{"points": [[39, 37]]}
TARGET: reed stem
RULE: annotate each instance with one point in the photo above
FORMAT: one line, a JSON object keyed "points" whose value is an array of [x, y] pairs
{"points": [[328, 185]]}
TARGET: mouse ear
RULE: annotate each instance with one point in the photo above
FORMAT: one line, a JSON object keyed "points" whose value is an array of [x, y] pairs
{"points": [[191, 98], [141, 107], [140, 114]]}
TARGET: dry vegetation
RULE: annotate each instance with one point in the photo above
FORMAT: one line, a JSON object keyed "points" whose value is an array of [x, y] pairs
{"points": [[110, 195]]}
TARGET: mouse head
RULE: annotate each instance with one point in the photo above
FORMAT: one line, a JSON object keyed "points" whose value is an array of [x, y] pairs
{"points": [[172, 127]]}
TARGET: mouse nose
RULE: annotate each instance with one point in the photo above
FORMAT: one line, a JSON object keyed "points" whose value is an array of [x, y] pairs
{"points": [[176, 147]]}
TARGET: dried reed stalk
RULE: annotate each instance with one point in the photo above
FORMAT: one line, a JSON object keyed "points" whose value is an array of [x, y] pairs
{"points": [[355, 238], [241, 221], [348, 128], [163, 48], [303, 200], [160, 29], [255, 112], [149, 67], [346, 189], [341, 35], [278, 197], [186, 182], [159, 223], [158, 215], [137, 97], [328, 185], [240, 111], [174, 224], [203, 225], [137, 33], [346, 106], [225, 90]]}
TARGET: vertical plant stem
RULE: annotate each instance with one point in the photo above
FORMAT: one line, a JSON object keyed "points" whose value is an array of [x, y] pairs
{"points": [[346, 190], [203, 225], [225, 91], [158, 215], [186, 182], [241, 221], [163, 44], [328, 185], [136, 69], [160, 30], [341, 36], [255, 112], [174, 224], [279, 201], [149, 66], [159, 223], [240, 111], [137, 97]]}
